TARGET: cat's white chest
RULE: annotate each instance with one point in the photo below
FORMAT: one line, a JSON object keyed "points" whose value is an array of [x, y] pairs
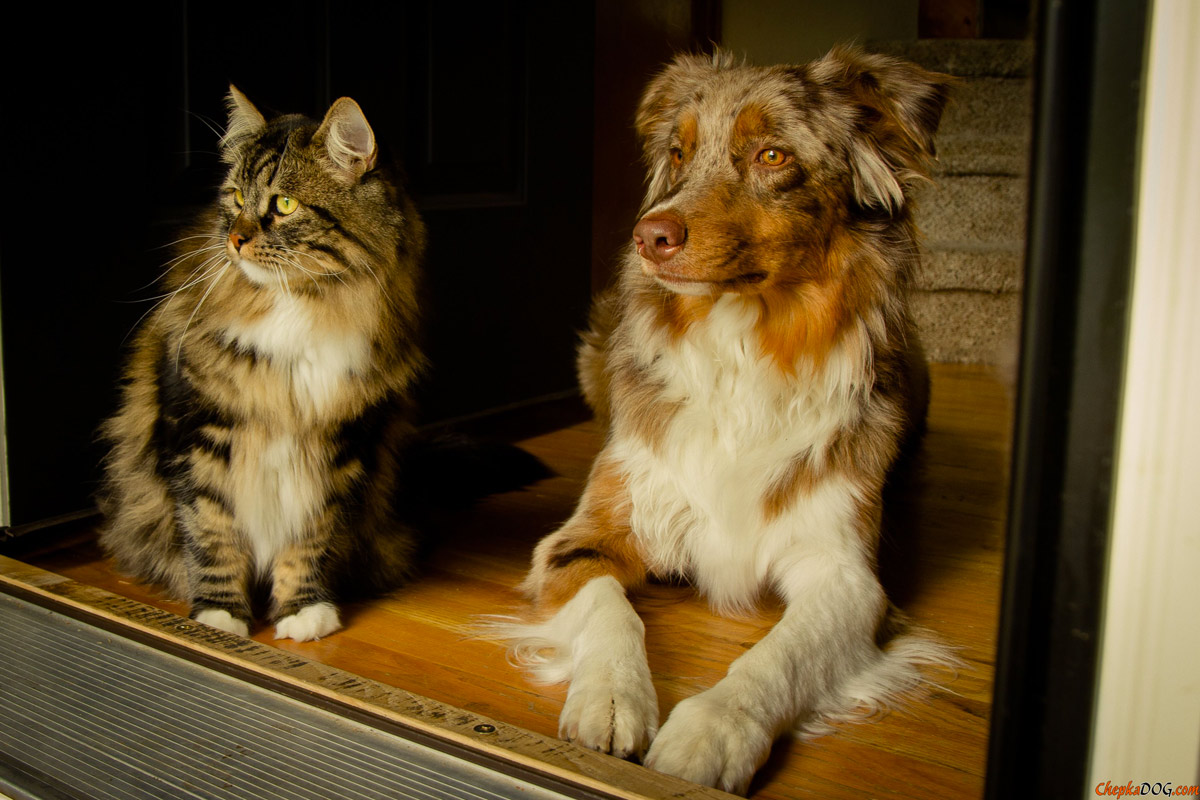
{"points": [[277, 492], [316, 359]]}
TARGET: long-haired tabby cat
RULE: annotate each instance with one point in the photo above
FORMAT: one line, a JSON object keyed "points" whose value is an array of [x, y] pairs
{"points": [[259, 438]]}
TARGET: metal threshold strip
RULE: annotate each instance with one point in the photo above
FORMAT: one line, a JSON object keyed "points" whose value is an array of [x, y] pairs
{"points": [[86, 712], [93, 715]]}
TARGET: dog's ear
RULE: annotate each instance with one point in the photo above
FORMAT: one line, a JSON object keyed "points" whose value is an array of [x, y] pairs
{"points": [[895, 107], [659, 108]]}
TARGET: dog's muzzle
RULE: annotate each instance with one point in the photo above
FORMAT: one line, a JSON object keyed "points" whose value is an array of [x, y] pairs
{"points": [[659, 237]]}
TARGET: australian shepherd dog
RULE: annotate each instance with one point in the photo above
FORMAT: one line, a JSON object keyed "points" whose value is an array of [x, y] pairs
{"points": [[759, 373]]}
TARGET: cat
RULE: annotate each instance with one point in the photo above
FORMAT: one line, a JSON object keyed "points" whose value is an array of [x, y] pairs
{"points": [[265, 406]]}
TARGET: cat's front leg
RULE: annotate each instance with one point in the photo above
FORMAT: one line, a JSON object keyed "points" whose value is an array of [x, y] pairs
{"points": [[302, 606], [312, 621], [218, 567]]}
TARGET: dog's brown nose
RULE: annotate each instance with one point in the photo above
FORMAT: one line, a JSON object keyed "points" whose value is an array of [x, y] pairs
{"points": [[660, 237]]}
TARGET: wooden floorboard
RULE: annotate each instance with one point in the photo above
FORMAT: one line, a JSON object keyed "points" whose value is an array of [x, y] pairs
{"points": [[941, 563]]}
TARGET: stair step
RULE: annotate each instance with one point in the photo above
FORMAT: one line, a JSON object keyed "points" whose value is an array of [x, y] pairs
{"points": [[966, 58], [986, 129], [967, 302], [982, 211], [968, 327], [974, 269]]}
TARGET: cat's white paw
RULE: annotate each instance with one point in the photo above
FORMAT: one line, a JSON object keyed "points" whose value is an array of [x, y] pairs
{"points": [[310, 622], [613, 710], [222, 619], [709, 740]]}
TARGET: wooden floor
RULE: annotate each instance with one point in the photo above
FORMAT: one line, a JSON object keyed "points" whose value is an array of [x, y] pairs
{"points": [[941, 563]]}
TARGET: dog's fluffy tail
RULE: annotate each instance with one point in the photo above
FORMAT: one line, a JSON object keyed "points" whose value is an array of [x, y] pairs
{"points": [[902, 671], [541, 651]]}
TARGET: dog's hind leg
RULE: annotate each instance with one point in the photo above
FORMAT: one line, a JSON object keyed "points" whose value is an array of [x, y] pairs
{"points": [[579, 577]]}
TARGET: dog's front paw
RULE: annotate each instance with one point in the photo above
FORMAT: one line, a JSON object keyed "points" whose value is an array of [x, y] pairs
{"points": [[709, 740], [310, 622], [613, 711]]}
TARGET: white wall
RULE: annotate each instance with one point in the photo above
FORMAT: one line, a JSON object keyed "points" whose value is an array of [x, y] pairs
{"points": [[1148, 719]]}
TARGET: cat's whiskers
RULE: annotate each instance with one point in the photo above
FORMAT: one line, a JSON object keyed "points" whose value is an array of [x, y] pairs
{"points": [[189, 281], [303, 254], [323, 272], [206, 269], [382, 289], [208, 123], [311, 274], [183, 239], [171, 264], [307, 273], [218, 244], [212, 285], [209, 266], [281, 277], [217, 252]]}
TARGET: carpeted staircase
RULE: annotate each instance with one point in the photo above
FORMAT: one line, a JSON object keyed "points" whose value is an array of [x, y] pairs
{"points": [[968, 302]]}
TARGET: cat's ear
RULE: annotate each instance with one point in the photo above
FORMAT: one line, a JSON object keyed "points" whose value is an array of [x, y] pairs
{"points": [[348, 138], [244, 119]]}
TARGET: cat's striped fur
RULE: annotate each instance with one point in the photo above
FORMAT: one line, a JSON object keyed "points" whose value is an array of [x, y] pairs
{"points": [[266, 400]]}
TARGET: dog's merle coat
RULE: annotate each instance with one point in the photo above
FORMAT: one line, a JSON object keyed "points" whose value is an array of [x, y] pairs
{"points": [[759, 371]]}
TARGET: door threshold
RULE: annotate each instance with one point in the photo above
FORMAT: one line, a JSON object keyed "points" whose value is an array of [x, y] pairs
{"points": [[104, 696]]}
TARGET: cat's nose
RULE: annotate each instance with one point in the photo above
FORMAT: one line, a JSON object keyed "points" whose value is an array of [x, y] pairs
{"points": [[241, 232]]}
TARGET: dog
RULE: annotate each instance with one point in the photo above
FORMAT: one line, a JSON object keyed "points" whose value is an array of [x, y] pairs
{"points": [[759, 372]]}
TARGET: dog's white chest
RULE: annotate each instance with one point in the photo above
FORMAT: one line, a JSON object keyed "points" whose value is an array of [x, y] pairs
{"points": [[698, 493]]}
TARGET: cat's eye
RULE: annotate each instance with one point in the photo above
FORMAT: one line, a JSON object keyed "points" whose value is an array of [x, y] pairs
{"points": [[771, 157], [239, 198], [286, 205]]}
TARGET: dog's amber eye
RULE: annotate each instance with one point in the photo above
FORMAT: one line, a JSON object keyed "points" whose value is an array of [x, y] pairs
{"points": [[771, 157], [676, 157]]}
